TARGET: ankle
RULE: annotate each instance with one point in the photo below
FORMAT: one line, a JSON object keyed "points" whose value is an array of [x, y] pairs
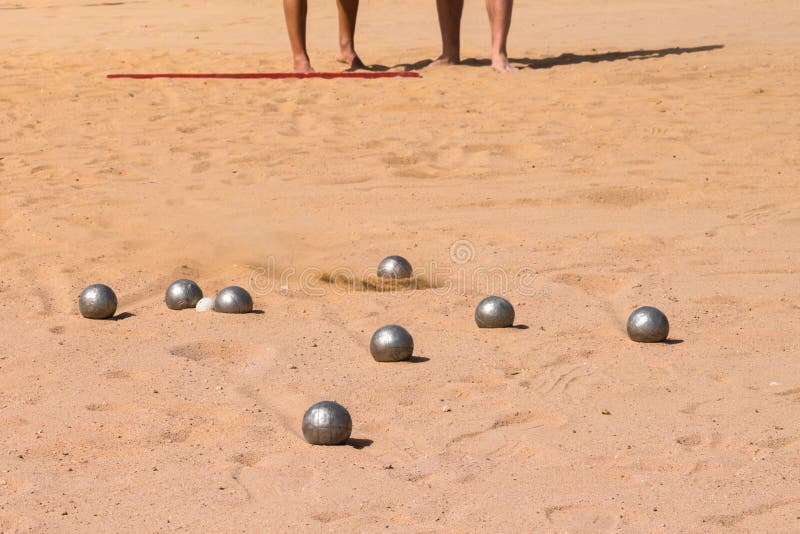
{"points": [[451, 54], [500, 52], [302, 64]]}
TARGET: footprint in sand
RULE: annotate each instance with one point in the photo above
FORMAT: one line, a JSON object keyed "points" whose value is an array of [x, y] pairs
{"points": [[100, 407], [217, 352], [568, 517], [116, 374], [175, 436], [248, 459], [730, 520]]}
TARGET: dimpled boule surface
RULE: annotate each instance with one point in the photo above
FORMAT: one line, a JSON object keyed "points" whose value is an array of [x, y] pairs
{"points": [[648, 325], [395, 267], [233, 299], [97, 301], [391, 343], [494, 312], [327, 423], [182, 294]]}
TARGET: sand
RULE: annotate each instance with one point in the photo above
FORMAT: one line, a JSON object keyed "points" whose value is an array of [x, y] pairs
{"points": [[647, 153]]}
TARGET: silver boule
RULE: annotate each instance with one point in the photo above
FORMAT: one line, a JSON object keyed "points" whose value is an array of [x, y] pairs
{"points": [[648, 325], [182, 294], [327, 423], [98, 301], [233, 299], [391, 343], [494, 312], [395, 267]]}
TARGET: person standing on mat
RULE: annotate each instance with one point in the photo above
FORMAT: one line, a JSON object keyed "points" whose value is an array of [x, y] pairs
{"points": [[499, 12], [296, 11]]}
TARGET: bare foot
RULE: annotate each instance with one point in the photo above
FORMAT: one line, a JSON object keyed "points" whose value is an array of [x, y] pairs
{"points": [[351, 59], [302, 65], [444, 61], [500, 63]]}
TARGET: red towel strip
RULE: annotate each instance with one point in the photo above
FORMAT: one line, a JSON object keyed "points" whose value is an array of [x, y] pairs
{"points": [[273, 75]]}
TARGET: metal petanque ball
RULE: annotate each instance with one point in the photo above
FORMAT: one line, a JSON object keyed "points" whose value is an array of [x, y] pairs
{"points": [[391, 343], [395, 267], [494, 312], [648, 325], [233, 299], [182, 294], [98, 301], [327, 423]]}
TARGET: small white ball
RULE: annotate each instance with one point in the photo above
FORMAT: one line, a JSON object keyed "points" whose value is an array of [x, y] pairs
{"points": [[205, 304]]}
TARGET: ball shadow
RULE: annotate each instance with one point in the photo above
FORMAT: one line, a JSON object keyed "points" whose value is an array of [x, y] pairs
{"points": [[122, 316], [257, 312], [520, 327], [418, 359], [359, 443], [672, 341]]}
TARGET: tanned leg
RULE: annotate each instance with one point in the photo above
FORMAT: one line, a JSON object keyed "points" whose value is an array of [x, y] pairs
{"points": [[500, 22], [296, 11], [450, 25], [348, 11]]}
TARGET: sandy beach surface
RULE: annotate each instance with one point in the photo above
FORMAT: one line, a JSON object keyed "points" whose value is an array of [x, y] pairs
{"points": [[645, 153]]}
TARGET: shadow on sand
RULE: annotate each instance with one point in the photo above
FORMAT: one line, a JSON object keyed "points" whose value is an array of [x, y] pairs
{"points": [[563, 59], [359, 443]]}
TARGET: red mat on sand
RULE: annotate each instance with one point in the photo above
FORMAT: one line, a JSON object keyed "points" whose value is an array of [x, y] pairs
{"points": [[274, 75]]}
